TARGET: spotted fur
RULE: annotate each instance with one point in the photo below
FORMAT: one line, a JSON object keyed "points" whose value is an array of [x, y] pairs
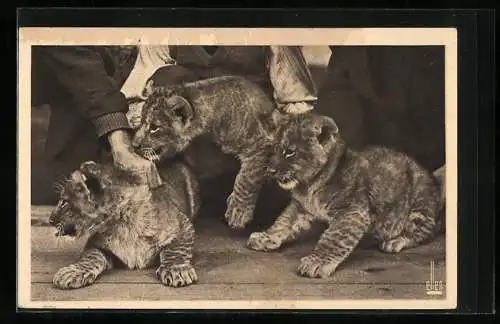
{"points": [[231, 111], [376, 191], [126, 220]]}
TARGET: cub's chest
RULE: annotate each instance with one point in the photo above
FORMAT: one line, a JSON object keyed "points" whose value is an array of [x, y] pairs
{"points": [[138, 230], [314, 204], [134, 249], [323, 203]]}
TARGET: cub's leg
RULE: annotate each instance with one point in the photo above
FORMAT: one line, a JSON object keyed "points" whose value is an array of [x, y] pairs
{"points": [[286, 228], [175, 268], [336, 243], [420, 226], [83, 272], [389, 226], [417, 226], [241, 202]]}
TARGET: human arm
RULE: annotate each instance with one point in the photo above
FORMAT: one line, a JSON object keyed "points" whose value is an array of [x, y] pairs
{"points": [[294, 88], [80, 72]]}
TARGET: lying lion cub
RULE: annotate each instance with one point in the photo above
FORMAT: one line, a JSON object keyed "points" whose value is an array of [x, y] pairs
{"points": [[377, 191], [126, 219]]}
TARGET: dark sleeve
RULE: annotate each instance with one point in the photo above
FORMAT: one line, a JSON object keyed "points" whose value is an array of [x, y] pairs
{"points": [[81, 73], [290, 75]]}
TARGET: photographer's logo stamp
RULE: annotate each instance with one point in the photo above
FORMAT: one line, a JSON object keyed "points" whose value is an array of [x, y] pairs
{"points": [[434, 287]]}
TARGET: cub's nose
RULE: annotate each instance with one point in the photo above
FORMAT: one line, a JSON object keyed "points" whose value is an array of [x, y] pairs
{"points": [[271, 171]]}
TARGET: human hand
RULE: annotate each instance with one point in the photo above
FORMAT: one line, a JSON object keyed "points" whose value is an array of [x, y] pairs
{"points": [[126, 159], [296, 107], [149, 59], [134, 114]]}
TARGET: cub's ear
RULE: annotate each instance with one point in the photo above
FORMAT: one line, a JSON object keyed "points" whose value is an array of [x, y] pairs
{"points": [[91, 169], [324, 129], [91, 175], [181, 109]]}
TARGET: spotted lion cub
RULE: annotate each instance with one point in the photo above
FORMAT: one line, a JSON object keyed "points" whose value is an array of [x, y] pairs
{"points": [[377, 191], [231, 111], [126, 220]]}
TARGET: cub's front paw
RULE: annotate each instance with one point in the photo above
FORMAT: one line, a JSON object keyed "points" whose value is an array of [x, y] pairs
{"points": [[313, 266], [71, 277], [395, 245], [177, 275], [238, 214], [261, 241]]}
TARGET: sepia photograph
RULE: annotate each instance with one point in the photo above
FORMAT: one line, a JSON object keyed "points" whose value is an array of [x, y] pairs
{"points": [[237, 168]]}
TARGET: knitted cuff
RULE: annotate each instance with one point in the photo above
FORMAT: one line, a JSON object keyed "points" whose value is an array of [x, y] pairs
{"points": [[110, 122]]}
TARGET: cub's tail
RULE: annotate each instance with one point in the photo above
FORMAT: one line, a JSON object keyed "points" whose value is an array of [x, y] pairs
{"points": [[192, 191], [181, 186], [439, 175]]}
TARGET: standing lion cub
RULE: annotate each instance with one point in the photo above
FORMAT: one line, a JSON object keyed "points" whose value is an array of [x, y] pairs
{"points": [[231, 111]]}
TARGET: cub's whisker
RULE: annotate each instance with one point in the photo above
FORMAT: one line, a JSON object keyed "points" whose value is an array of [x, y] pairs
{"points": [[150, 154], [58, 186], [59, 241]]}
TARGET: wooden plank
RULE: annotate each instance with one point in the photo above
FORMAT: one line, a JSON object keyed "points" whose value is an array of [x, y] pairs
{"points": [[40, 215], [227, 260], [251, 269], [226, 268], [156, 291]]}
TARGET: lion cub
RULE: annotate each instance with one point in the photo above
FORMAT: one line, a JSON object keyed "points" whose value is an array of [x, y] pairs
{"points": [[377, 191], [126, 219], [229, 110]]}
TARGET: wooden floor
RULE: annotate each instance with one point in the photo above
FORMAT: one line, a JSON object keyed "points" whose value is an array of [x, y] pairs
{"points": [[227, 270]]}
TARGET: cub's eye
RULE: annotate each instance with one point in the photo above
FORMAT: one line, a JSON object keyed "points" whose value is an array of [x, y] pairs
{"points": [[153, 129], [63, 204], [288, 153]]}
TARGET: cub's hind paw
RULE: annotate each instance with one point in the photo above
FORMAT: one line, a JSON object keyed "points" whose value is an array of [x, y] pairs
{"points": [[238, 215], [395, 245], [261, 241], [177, 275], [313, 266], [71, 277]]}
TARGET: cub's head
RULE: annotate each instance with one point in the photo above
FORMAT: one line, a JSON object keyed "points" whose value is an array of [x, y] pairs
{"points": [[79, 196], [303, 144], [166, 126]]}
